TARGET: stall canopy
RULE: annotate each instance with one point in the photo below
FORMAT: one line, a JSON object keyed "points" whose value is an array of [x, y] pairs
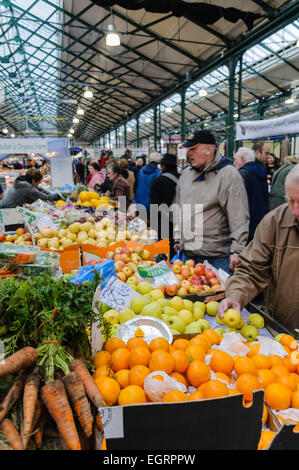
{"points": [[283, 125]]}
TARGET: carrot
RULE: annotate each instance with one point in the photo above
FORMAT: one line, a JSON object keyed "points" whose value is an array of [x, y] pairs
{"points": [[8, 428], [76, 392], [91, 389], [55, 398], [30, 395], [38, 436], [13, 395], [23, 358]]}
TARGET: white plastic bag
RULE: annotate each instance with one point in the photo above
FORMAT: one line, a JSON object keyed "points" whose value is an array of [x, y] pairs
{"points": [[232, 344], [269, 346], [155, 389]]}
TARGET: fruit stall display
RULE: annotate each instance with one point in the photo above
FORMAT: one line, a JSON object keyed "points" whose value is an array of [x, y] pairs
{"points": [[193, 278]]}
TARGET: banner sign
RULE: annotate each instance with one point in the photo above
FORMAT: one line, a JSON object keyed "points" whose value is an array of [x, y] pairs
{"points": [[248, 130], [14, 146]]}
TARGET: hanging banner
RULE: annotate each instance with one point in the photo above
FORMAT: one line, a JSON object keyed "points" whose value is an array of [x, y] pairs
{"points": [[248, 130], [15, 146]]}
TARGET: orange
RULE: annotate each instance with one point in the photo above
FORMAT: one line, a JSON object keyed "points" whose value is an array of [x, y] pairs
{"points": [[122, 377], [244, 364], [102, 358], [289, 341], [222, 376], [289, 364], [181, 361], [103, 371], [233, 391], [295, 399], [131, 394], [222, 362], [195, 352], [109, 389], [279, 370], [138, 356], [175, 395], [278, 396], [197, 373], [198, 395], [137, 375], [266, 377], [180, 378], [201, 340], [261, 361], [135, 342], [159, 343], [294, 357], [215, 388], [275, 360], [246, 383], [201, 387], [295, 377], [181, 344], [254, 349], [161, 360], [120, 359], [171, 348], [214, 337], [265, 439], [114, 343], [265, 414], [288, 381]]}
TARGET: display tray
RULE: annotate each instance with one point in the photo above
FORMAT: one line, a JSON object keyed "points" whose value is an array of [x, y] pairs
{"points": [[270, 321], [203, 296]]}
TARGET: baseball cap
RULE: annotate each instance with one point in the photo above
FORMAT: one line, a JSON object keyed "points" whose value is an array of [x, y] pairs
{"points": [[199, 137]]}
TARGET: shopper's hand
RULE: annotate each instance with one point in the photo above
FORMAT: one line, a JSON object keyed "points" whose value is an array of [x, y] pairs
{"points": [[233, 261], [177, 246], [225, 304]]}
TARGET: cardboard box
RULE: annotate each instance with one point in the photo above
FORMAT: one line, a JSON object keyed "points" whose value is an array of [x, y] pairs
{"points": [[286, 438], [218, 424]]}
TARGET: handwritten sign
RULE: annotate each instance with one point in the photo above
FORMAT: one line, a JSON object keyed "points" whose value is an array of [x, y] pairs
{"points": [[27, 215], [117, 294]]}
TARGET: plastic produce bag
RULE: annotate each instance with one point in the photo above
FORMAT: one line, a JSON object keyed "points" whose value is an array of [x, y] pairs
{"points": [[155, 389], [270, 346], [232, 344], [86, 273], [157, 275]]}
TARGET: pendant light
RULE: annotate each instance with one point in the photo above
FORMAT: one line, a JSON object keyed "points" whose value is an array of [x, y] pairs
{"points": [[112, 36]]}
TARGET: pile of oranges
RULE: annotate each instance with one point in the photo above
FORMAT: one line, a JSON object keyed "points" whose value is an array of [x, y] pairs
{"points": [[121, 368]]}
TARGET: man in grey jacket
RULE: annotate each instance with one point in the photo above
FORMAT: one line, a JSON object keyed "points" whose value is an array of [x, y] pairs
{"points": [[213, 192], [25, 191]]}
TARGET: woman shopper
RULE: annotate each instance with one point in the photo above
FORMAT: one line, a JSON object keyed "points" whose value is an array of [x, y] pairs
{"points": [[119, 186], [124, 165], [97, 175], [272, 165]]}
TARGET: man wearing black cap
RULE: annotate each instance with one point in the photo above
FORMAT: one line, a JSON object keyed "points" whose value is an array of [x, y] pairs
{"points": [[212, 188], [163, 192]]}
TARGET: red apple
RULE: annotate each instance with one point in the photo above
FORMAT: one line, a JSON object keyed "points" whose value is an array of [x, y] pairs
{"points": [[118, 249], [161, 287], [110, 254], [119, 265], [20, 231], [196, 282], [182, 291], [186, 284], [179, 277], [206, 282], [199, 269], [178, 262], [171, 290], [2, 237], [117, 257], [125, 250], [125, 258], [121, 276], [185, 272], [127, 271], [176, 268], [210, 274], [194, 289], [190, 263]]}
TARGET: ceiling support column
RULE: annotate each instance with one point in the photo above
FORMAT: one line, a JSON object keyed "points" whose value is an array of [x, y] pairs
{"points": [[230, 124]]}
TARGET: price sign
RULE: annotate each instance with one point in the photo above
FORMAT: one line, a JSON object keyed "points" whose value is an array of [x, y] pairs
{"points": [[27, 215], [117, 294]]}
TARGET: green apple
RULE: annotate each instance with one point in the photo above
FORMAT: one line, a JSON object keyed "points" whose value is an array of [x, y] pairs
{"points": [[177, 303], [204, 324], [156, 294], [231, 318], [174, 322], [137, 304], [230, 330], [188, 304], [170, 310], [186, 315], [279, 336], [194, 327], [249, 332], [163, 302], [144, 287], [175, 332], [132, 284], [126, 314], [153, 309], [219, 332], [199, 304], [256, 320], [240, 324], [211, 308], [111, 316], [219, 320], [198, 313]]}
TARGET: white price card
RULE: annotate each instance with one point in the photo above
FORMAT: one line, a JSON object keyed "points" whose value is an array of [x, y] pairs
{"points": [[117, 294]]}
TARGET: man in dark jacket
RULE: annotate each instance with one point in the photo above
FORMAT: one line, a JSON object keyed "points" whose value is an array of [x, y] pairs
{"points": [[163, 192], [254, 176]]}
